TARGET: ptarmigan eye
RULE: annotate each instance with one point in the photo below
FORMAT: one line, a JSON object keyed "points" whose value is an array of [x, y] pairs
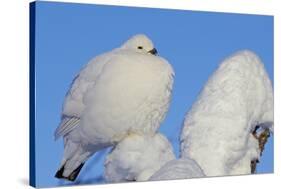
{"points": [[139, 47]]}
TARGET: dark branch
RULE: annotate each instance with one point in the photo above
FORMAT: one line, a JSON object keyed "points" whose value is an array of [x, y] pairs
{"points": [[262, 139]]}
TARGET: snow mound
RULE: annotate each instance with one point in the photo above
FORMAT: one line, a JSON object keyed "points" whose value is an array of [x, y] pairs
{"points": [[217, 131], [178, 169], [137, 157]]}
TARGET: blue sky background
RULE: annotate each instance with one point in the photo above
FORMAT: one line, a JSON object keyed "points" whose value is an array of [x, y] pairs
{"points": [[69, 35]]}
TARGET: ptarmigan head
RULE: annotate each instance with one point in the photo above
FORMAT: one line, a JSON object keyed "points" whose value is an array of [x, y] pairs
{"points": [[140, 43]]}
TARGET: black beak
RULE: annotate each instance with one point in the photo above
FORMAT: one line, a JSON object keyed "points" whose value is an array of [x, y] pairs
{"points": [[153, 51]]}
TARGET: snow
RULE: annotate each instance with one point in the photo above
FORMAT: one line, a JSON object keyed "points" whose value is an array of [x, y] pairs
{"points": [[217, 130], [183, 168], [137, 157], [116, 94]]}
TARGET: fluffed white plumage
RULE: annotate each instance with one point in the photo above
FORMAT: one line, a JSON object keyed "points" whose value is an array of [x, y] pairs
{"points": [[183, 168], [137, 158], [217, 131], [118, 93]]}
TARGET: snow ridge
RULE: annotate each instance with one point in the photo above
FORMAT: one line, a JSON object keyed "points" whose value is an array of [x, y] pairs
{"points": [[183, 168]]}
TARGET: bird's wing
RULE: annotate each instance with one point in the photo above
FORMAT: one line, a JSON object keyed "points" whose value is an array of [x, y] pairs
{"points": [[67, 124], [73, 104]]}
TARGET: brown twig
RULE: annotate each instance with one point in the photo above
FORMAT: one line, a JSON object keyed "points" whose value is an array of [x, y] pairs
{"points": [[262, 139]]}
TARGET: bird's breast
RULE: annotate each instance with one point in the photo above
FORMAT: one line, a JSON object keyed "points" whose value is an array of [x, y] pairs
{"points": [[129, 96]]}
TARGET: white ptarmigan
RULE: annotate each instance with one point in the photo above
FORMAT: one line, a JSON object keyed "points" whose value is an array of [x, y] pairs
{"points": [[121, 92], [217, 131]]}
